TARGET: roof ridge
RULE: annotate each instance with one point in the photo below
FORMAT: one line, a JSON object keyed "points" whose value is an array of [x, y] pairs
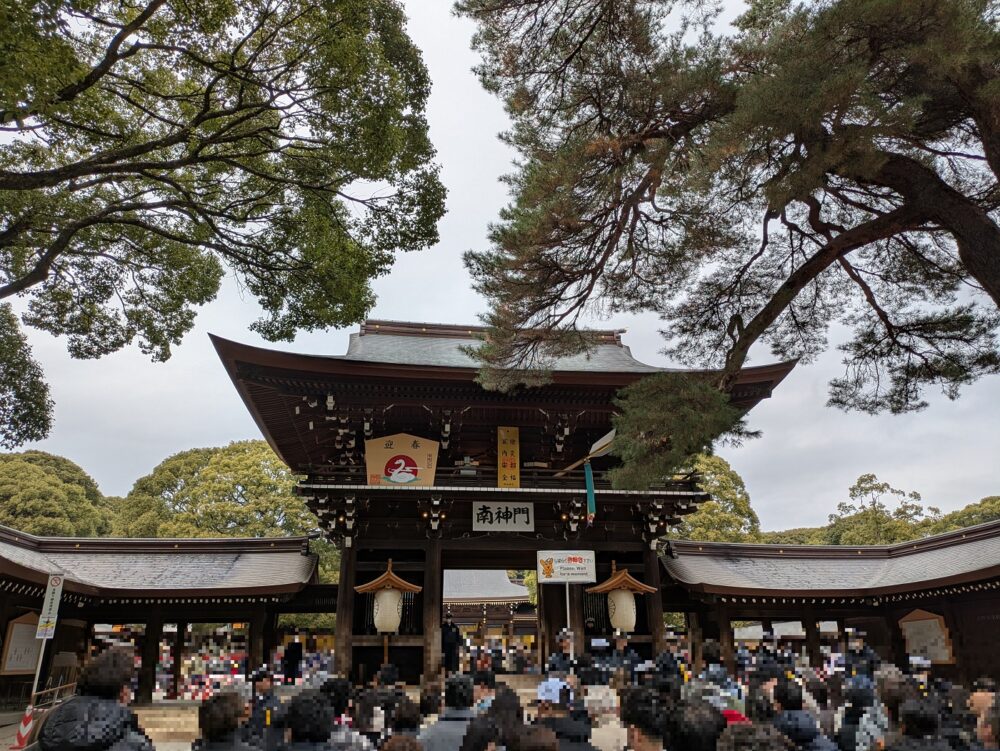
{"points": [[894, 550], [379, 326]]}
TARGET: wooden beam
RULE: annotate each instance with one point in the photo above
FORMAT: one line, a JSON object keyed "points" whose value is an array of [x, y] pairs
{"points": [[654, 600], [256, 657], [811, 626], [433, 583], [152, 634], [344, 629], [178, 658]]}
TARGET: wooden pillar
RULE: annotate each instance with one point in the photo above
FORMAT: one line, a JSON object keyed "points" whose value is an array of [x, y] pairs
{"points": [[812, 638], [178, 658], [726, 640], [696, 640], [344, 630], [433, 577], [957, 641], [654, 601], [150, 656], [255, 640], [270, 635], [898, 642]]}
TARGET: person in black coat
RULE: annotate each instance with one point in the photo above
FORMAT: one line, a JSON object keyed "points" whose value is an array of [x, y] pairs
{"points": [[798, 725], [309, 721], [451, 639], [265, 727], [219, 721], [97, 718]]}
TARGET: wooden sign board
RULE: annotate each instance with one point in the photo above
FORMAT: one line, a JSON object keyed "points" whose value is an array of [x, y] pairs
{"points": [[401, 459], [926, 635], [20, 647], [508, 458]]}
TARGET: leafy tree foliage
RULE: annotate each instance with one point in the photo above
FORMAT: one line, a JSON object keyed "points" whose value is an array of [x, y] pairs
{"points": [[665, 420], [152, 147], [867, 518], [42, 494], [67, 471], [986, 510], [824, 163], [728, 517], [239, 490], [25, 405], [878, 514]]}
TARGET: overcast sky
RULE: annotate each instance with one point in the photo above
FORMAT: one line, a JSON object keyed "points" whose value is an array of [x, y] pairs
{"points": [[121, 415]]}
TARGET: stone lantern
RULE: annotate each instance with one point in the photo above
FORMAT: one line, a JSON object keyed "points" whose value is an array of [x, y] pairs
{"points": [[621, 589]]}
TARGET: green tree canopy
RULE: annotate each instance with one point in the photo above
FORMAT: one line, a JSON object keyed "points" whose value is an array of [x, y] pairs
{"points": [[986, 510], [823, 163], [868, 519], [42, 494], [728, 517], [239, 490], [153, 147], [25, 405]]}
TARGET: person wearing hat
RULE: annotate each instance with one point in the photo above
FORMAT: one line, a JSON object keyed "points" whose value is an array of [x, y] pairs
{"points": [[555, 699], [265, 726]]}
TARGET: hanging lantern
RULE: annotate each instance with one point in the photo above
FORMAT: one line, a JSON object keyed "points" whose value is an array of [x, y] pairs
{"points": [[388, 606], [621, 589]]}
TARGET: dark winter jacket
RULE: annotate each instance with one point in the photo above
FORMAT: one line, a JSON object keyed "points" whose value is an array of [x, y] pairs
{"points": [[89, 723], [235, 742], [573, 735], [448, 732], [802, 729], [265, 727], [920, 744]]}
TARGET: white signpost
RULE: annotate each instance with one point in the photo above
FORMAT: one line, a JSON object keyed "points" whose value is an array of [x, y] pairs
{"points": [[47, 622], [567, 567]]}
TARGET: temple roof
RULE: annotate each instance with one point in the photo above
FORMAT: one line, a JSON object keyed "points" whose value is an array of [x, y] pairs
{"points": [[962, 556], [115, 567], [445, 346], [470, 585], [316, 410]]}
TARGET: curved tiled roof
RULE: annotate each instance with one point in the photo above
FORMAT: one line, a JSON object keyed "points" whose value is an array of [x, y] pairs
{"points": [[115, 567], [444, 346], [469, 585], [727, 568]]}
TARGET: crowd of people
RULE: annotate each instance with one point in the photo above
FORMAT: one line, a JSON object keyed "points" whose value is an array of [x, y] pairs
{"points": [[611, 702]]}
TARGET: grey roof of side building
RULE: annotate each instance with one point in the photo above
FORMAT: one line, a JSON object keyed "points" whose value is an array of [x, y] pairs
{"points": [[965, 555], [113, 566], [488, 585], [449, 351]]}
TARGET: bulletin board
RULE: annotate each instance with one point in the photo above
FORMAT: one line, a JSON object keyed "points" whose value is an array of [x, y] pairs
{"points": [[20, 647]]}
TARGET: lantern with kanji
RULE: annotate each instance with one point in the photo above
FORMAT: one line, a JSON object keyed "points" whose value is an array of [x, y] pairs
{"points": [[621, 589]]}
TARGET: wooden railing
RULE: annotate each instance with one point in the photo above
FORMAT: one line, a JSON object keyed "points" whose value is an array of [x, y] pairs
{"points": [[51, 696]]}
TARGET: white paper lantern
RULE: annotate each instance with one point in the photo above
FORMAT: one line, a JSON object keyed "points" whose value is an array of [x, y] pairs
{"points": [[621, 609], [389, 610]]}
